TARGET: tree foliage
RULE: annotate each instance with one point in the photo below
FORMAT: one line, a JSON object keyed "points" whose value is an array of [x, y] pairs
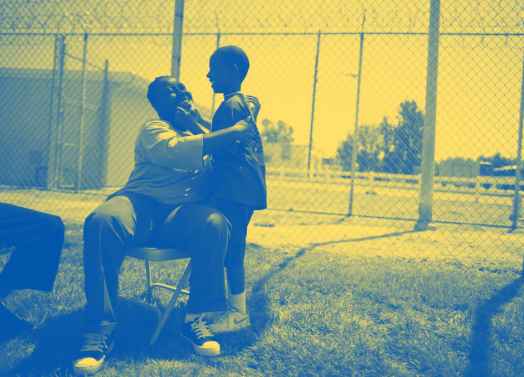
{"points": [[278, 133], [386, 147]]}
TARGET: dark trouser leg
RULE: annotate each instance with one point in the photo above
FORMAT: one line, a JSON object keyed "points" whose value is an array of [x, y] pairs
{"points": [[205, 233], [239, 217], [108, 230], [38, 239]]}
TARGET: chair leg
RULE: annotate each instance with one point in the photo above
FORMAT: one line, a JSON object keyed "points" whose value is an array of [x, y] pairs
{"points": [[182, 282], [149, 291]]}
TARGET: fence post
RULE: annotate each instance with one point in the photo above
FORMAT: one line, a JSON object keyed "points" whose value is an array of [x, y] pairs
{"points": [[515, 214], [83, 94], [105, 116], [56, 132], [213, 99], [53, 115], [428, 138], [354, 149], [178, 29], [313, 101]]}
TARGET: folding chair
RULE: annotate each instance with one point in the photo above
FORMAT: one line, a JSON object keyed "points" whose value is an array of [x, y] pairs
{"points": [[157, 254]]}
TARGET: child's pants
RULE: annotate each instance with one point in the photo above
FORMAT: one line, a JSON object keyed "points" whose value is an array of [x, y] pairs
{"points": [[239, 217]]}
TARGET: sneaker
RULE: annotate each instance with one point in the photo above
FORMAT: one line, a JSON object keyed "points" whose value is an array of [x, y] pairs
{"points": [[202, 339], [231, 320], [93, 352]]}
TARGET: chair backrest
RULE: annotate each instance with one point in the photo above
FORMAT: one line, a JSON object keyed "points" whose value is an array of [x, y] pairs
{"points": [[156, 253]]}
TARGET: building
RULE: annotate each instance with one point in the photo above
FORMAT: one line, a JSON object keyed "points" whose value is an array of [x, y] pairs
{"points": [[29, 118]]}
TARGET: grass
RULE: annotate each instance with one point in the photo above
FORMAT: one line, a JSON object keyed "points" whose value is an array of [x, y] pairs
{"points": [[328, 296], [391, 203]]}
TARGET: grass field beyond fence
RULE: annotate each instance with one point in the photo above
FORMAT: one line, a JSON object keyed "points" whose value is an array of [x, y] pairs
{"points": [[327, 296]]}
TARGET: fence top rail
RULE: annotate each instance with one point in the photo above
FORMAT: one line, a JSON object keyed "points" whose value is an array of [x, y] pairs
{"points": [[261, 33]]}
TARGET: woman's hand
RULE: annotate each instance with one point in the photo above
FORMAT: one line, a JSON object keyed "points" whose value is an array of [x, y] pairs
{"points": [[187, 119]]}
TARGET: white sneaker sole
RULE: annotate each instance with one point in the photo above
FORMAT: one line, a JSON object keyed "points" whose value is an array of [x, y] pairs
{"points": [[203, 351], [87, 370]]}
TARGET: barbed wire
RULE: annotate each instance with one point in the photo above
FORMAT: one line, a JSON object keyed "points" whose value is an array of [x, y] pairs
{"points": [[156, 16]]}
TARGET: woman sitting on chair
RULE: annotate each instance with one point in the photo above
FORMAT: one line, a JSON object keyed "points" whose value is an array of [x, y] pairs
{"points": [[164, 200]]}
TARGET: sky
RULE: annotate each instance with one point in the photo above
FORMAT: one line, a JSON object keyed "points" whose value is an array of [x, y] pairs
{"points": [[479, 78]]}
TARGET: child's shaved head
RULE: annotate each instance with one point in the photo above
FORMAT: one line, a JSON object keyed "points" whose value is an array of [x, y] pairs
{"points": [[233, 56]]}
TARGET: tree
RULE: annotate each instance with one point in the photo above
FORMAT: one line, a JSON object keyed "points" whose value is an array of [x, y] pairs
{"points": [[344, 151], [369, 148], [279, 133], [407, 153], [388, 148], [387, 134]]}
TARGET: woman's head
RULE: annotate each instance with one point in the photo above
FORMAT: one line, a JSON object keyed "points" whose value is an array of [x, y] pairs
{"points": [[166, 94]]}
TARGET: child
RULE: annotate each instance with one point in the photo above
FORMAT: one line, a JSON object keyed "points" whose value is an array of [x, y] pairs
{"points": [[239, 186]]}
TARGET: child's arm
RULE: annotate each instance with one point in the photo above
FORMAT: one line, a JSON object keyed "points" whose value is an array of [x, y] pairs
{"points": [[237, 119], [213, 141], [224, 139]]}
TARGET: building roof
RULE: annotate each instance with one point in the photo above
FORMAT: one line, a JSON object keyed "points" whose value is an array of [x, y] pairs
{"points": [[119, 80], [116, 77]]}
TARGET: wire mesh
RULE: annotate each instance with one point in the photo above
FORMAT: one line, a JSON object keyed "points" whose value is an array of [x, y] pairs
{"points": [[25, 63], [309, 163]]}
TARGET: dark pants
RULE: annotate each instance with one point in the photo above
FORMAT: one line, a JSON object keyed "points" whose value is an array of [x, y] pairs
{"points": [[239, 217], [127, 220], [38, 239]]}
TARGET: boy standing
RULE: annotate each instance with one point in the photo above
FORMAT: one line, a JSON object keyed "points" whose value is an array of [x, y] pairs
{"points": [[239, 182]]}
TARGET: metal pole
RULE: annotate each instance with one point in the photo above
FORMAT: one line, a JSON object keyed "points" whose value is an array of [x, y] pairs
{"points": [[80, 159], [213, 99], [428, 138], [105, 109], [313, 101], [178, 29], [354, 149], [51, 140], [60, 112], [515, 215]]}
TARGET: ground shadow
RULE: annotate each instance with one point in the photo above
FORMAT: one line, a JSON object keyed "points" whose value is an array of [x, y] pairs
{"points": [[259, 305], [479, 357], [54, 342], [58, 339]]}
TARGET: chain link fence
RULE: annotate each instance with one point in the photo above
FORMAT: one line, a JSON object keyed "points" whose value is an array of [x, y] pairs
{"points": [[342, 86]]}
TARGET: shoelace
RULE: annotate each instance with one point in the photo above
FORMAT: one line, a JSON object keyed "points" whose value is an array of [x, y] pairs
{"points": [[94, 342], [200, 328]]}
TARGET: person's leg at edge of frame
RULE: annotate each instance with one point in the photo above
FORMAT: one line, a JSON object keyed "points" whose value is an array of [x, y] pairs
{"points": [[38, 239], [107, 232], [206, 233]]}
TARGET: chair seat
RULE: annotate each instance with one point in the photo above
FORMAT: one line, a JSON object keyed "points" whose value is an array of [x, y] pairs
{"points": [[157, 254]]}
